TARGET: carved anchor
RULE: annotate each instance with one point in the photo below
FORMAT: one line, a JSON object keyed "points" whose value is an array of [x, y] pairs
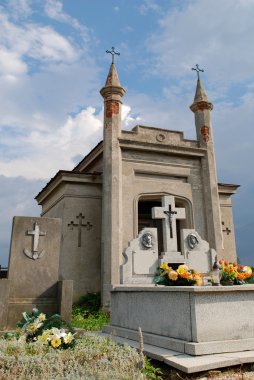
{"points": [[36, 233]]}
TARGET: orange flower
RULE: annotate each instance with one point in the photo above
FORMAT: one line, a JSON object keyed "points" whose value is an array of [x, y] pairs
{"points": [[241, 276], [225, 263], [220, 261], [234, 265]]}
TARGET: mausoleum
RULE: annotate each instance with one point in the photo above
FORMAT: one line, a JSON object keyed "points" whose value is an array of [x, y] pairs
{"points": [[148, 181]]}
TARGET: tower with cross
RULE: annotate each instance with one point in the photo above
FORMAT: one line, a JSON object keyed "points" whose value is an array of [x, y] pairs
{"points": [[169, 214]]}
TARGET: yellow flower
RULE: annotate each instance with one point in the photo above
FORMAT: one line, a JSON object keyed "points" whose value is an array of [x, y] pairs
{"points": [[198, 280], [31, 328], [173, 275], [182, 269], [56, 342], [41, 317], [165, 269], [68, 338], [248, 271], [45, 337]]}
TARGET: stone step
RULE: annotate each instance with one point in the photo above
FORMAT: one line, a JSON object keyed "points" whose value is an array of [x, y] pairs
{"points": [[187, 363]]}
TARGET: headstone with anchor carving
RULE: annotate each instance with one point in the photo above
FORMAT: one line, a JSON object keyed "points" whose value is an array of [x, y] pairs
{"points": [[33, 265]]}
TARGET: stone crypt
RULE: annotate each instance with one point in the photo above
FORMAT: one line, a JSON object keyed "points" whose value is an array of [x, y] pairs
{"points": [[138, 199], [119, 187]]}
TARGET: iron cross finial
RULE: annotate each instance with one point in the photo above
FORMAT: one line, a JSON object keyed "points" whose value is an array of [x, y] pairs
{"points": [[113, 53], [197, 69]]}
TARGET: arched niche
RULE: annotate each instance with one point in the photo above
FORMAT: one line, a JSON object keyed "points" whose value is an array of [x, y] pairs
{"points": [[143, 205]]}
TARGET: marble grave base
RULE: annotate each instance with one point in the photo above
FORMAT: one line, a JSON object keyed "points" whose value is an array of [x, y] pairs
{"points": [[192, 320]]}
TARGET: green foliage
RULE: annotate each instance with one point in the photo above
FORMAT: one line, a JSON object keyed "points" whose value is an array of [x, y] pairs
{"points": [[86, 313], [164, 280], [150, 372], [89, 303]]}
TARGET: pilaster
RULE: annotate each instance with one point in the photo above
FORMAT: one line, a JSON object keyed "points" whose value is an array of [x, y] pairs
{"points": [[112, 93], [202, 108]]}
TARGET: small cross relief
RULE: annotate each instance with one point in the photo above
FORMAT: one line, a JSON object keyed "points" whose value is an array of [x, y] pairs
{"points": [[227, 230], [79, 225]]}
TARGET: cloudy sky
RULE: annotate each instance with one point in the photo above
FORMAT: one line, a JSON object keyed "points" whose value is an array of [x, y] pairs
{"points": [[53, 64]]}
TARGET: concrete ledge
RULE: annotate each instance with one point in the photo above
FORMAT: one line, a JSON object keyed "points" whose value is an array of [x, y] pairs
{"points": [[187, 363], [194, 349], [155, 340], [188, 289]]}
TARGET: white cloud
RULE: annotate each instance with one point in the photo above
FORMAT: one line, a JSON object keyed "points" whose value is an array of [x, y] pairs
{"points": [[54, 10], [19, 8], [216, 34], [16, 198], [45, 44], [149, 5], [11, 64], [42, 153]]}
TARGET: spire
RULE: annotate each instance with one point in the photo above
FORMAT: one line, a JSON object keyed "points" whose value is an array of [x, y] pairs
{"points": [[112, 85], [112, 79], [200, 101], [200, 94]]}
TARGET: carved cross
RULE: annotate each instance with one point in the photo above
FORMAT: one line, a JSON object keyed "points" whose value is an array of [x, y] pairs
{"points": [[80, 218], [113, 53], [197, 69], [169, 214], [36, 233], [227, 230]]}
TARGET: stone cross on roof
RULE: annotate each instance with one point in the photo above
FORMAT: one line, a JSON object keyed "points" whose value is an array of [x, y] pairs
{"points": [[197, 69], [169, 214], [113, 53]]}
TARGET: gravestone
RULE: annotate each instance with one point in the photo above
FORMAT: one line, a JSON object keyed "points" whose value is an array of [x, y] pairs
{"points": [[141, 258], [197, 251], [169, 214], [33, 275]]}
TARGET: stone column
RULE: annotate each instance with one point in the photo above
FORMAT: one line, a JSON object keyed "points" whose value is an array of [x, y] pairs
{"points": [[202, 109], [112, 93]]}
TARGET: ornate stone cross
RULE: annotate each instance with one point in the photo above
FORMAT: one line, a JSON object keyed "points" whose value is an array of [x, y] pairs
{"points": [[36, 233], [197, 69], [113, 53], [80, 218], [169, 214]]}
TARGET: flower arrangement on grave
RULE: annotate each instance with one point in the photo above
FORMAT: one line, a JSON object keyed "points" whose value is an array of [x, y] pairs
{"points": [[182, 276], [229, 271], [52, 331], [244, 273], [234, 273]]}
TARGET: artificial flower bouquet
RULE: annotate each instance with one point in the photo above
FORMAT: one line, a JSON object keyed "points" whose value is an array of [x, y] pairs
{"points": [[182, 276], [52, 331], [238, 274]]}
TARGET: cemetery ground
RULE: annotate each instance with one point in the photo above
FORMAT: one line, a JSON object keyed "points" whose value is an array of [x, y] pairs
{"points": [[94, 357]]}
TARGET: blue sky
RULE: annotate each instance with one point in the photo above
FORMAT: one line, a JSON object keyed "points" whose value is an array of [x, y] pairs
{"points": [[53, 64]]}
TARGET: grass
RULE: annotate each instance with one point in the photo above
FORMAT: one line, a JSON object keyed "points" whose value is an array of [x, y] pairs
{"points": [[86, 313]]}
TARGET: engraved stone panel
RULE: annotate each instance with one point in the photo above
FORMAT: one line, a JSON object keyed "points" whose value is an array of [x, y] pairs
{"points": [[141, 258]]}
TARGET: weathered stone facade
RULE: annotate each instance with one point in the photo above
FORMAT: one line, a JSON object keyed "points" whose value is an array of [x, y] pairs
{"points": [[107, 199]]}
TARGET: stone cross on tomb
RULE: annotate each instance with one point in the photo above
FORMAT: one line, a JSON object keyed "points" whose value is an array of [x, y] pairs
{"points": [[169, 214], [80, 218], [36, 233]]}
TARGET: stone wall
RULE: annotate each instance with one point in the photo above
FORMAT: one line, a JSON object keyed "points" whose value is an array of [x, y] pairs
{"points": [[77, 201]]}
